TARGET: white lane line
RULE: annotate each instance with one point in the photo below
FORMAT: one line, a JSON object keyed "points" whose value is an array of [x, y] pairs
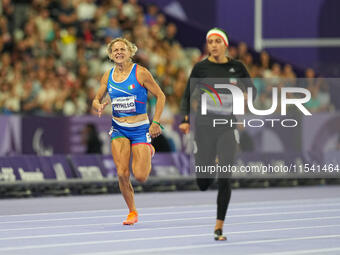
{"points": [[287, 201], [106, 210], [11, 248], [177, 209], [298, 252], [169, 213], [232, 204], [162, 228], [285, 207], [102, 232], [189, 247], [229, 224], [171, 220], [110, 216]]}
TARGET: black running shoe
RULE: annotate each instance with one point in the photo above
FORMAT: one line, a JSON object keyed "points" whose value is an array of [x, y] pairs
{"points": [[219, 235]]}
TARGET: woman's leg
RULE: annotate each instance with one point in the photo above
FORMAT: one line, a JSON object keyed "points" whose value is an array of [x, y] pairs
{"points": [[141, 160], [223, 198], [205, 156], [226, 151], [121, 150]]}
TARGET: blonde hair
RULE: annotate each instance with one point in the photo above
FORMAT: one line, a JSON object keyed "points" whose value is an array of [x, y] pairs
{"points": [[131, 46]]}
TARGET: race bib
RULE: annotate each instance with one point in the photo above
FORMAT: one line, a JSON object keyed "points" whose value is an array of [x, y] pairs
{"points": [[124, 104], [215, 107]]}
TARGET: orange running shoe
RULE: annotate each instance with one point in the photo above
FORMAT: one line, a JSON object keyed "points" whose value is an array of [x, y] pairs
{"points": [[131, 219]]}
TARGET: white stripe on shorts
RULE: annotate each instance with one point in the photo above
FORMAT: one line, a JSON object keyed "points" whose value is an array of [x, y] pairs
{"points": [[136, 124]]}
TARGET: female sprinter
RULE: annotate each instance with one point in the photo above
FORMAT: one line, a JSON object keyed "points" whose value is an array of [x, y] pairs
{"points": [[128, 84], [218, 142]]}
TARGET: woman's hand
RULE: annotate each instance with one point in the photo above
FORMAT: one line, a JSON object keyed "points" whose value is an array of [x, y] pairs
{"points": [[100, 108], [155, 130], [96, 105], [184, 127]]}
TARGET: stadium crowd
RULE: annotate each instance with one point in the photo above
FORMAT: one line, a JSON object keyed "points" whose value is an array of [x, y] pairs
{"points": [[53, 53]]}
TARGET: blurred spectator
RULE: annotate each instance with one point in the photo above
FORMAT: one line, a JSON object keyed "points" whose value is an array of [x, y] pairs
{"points": [[85, 9], [67, 15], [155, 32], [10, 100], [130, 9], [289, 75], [309, 73], [75, 104], [324, 96], [125, 23], [171, 31], [248, 61], [179, 85], [47, 96], [232, 52], [45, 25], [273, 74], [68, 44], [255, 72], [242, 50], [86, 34], [151, 15], [83, 74], [310, 79], [168, 120], [160, 21], [8, 9], [6, 40], [314, 104], [6, 66], [264, 100], [29, 103], [113, 30], [167, 85], [264, 62]]}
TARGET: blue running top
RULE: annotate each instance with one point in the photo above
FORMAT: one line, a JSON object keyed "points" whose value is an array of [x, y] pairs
{"points": [[128, 97]]}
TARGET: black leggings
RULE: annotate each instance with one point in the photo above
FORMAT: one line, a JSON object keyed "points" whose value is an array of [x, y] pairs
{"points": [[212, 142]]}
